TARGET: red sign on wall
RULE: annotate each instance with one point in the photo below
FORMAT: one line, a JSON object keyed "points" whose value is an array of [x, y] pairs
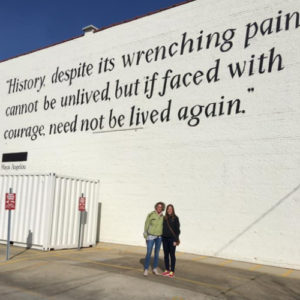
{"points": [[10, 201], [82, 203]]}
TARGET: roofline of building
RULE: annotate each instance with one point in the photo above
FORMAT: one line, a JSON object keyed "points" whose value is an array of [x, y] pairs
{"points": [[100, 29]]}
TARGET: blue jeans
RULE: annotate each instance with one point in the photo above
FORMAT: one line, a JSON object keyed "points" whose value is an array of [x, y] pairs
{"points": [[150, 244]]}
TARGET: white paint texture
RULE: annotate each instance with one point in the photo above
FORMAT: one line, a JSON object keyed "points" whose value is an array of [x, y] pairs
{"points": [[234, 179]]}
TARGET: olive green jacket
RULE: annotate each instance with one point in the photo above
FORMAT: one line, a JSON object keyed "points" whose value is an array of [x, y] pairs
{"points": [[153, 224]]}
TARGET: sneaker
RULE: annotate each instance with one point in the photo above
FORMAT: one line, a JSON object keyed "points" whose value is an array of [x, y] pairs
{"points": [[146, 273], [171, 275], [155, 272], [165, 273]]}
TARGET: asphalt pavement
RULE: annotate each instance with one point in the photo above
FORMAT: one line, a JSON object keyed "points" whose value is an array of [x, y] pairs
{"points": [[112, 271]]}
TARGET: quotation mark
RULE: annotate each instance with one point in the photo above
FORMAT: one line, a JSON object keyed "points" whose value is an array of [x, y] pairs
{"points": [[250, 90]]}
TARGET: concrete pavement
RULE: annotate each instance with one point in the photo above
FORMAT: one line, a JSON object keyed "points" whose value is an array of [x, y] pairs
{"points": [[112, 271]]}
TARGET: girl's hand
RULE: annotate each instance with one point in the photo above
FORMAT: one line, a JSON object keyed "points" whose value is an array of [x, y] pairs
{"points": [[174, 244]]}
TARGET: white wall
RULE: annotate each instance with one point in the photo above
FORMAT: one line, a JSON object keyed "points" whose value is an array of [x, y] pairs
{"points": [[234, 179]]}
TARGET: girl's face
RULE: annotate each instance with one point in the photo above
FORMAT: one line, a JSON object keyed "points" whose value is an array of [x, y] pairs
{"points": [[159, 208], [170, 210]]}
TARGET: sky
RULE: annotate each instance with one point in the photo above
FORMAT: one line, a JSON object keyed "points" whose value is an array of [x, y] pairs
{"points": [[29, 25]]}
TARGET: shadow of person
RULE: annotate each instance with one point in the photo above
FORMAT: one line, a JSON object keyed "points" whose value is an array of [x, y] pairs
{"points": [[29, 240], [161, 264], [28, 244]]}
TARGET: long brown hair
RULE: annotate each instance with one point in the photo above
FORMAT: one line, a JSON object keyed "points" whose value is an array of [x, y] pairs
{"points": [[173, 212]]}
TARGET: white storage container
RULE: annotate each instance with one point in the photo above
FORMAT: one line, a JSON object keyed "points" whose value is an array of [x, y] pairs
{"points": [[47, 215]]}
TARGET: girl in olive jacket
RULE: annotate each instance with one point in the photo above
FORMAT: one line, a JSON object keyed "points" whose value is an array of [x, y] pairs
{"points": [[152, 233]]}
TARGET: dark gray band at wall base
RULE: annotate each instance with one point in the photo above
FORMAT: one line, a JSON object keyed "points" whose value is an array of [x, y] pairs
{"points": [[18, 156]]}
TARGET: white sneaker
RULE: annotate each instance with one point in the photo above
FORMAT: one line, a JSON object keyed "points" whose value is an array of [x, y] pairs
{"points": [[146, 272], [155, 272]]}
